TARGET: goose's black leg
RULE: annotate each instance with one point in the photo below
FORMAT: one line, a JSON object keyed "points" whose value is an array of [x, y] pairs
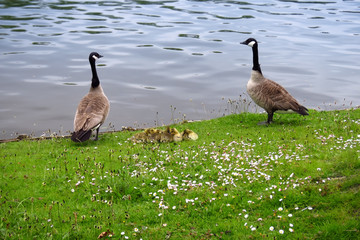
{"points": [[270, 117], [97, 134]]}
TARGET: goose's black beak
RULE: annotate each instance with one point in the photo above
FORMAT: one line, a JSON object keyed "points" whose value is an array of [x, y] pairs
{"points": [[244, 43], [100, 56]]}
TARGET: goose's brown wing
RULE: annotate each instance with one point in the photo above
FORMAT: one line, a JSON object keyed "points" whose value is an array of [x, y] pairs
{"points": [[91, 112], [279, 98]]}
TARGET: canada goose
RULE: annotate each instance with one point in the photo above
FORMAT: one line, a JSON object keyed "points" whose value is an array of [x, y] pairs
{"points": [[139, 137], [93, 107], [156, 135], [188, 134], [148, 135], [153, 134], [175, 134], [266, 93], [170, 135], [166, 136]]}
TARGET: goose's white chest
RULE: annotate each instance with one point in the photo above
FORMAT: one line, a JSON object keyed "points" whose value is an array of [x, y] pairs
{"points": [[254, 82], [254, 88], [251, 84]]}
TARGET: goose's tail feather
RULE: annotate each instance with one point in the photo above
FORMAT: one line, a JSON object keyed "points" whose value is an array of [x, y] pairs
{"points": [[81, 136]]}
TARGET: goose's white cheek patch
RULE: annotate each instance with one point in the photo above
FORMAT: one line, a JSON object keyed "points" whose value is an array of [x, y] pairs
{"points": [[251, 44]]}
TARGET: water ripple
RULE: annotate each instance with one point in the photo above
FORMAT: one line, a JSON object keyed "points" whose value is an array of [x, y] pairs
{"points": [[165, 52]]}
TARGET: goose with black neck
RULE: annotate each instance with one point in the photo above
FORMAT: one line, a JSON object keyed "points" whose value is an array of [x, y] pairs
{"points": [[92, 109], [266, 93]]}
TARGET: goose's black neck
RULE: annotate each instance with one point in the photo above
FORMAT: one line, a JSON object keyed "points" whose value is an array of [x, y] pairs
{"points": [[256, 65], [95, 79]]}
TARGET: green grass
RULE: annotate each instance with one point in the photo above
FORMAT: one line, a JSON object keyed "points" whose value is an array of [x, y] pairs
{"points": [[299, 175]]}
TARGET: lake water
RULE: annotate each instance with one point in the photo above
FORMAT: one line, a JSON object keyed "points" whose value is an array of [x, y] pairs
{"points": [[169, 60]]}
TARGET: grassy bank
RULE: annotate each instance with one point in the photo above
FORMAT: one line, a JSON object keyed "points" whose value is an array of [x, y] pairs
{"points": [[298, 178]]}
